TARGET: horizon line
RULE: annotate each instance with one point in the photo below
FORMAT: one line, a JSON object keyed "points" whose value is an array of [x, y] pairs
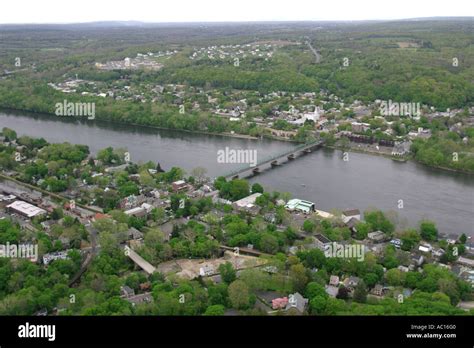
{"points": [[242, 21]]}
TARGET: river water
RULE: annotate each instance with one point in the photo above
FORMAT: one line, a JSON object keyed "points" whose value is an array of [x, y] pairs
{"points": [[408, 190]]}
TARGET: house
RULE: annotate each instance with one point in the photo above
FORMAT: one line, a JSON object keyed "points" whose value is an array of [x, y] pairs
{"points": [[351, 282], [349, 214], [168, 227], [300, 205], [332, 290], [416, 260], [137, 212], [133, 233], [179, 185], [351, 224], [126, 291], [359, 127], [297, 302], [247, 203], [424, 249], [438, 252], [280, 303], [378, 290], [468, 276], [465, 262], [322, 242], [376, 237], [334, 280]]}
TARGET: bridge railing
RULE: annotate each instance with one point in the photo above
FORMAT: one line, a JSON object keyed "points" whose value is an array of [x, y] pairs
{"points": [[272, 158]]}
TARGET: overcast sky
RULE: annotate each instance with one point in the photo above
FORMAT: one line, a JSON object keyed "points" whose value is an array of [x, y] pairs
{"points": [[67, 11]]}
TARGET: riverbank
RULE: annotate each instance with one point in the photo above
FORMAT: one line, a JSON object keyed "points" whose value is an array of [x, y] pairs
{"points": [[370, 151], [386, 151]]}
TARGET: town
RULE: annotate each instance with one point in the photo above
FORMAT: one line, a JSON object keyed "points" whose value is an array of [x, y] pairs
{"points": [[118, 237]]}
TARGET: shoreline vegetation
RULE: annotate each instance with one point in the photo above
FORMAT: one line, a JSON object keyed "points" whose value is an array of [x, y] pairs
{"points": [[249, 137], [398, 159]]}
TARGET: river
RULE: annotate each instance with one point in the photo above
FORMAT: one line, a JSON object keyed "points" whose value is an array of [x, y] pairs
{"points": [[411, 191]]}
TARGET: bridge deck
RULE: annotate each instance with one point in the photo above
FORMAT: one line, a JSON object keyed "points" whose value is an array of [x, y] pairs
{"points": [[271, 159], [140, 261]]}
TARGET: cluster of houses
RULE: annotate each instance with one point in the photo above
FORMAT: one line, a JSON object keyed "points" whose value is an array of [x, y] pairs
{"points": [[141, 61], [264, 51]]}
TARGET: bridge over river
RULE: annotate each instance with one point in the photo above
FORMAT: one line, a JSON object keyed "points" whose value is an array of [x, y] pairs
{"points": [[274, 161]]}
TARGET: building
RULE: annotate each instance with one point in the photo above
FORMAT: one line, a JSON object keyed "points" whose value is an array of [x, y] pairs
{"points": [[137, 212], [300, 205], [60, 255], [334, 280], [298, 302], [247, 203], [351, 282], [465, 261], [377, 290], [279, 303], [332, 290], [401, 148], [133, 233], [376, 237], [359, 127], [206, 270], [26, 209], [322, 242], [179, 185], [126, 291], [416, 260], [349, 214]]}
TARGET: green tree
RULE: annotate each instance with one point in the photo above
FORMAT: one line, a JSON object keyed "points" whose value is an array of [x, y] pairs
{"points": [[257, 188], [215, 310], [299, 277], [227, 272], [239, 294], [360, 292], [428, 230]]}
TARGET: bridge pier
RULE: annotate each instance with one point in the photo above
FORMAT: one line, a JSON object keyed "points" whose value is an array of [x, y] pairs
{"points": [[276, 160]]}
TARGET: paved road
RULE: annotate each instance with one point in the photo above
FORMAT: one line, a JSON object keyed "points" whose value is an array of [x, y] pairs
{"points": [[316, 53]]}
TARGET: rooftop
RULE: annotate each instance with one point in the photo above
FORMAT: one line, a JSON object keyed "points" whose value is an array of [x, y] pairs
{"points": [[26, 208]]}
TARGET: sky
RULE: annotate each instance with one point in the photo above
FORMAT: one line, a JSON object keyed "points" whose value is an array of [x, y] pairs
{"points": [[67, 11]]}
